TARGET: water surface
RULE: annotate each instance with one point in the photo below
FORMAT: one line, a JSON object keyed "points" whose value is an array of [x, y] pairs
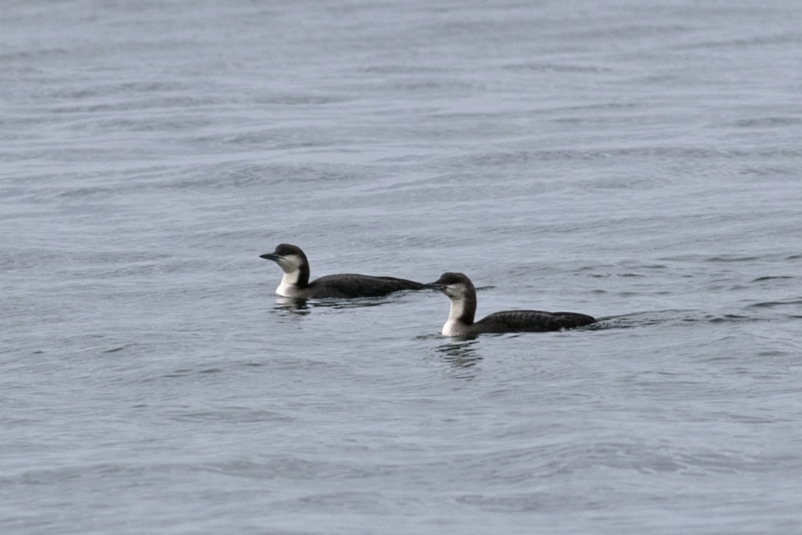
{"points": [[634, 161]]}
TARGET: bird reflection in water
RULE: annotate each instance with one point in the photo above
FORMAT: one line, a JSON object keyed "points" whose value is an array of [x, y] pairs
{"points": [[295, 305], [292, 305], [460, 353]]}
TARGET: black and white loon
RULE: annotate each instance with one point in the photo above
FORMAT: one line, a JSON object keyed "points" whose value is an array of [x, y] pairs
{"points": [[295, 282], [461, 292]]}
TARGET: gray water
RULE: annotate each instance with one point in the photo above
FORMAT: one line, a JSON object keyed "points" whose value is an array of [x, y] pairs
{"points": [[637, 161]]}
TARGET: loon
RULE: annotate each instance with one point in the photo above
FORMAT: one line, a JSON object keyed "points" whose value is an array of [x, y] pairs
{"points": [[461, 292], [295, 282]]}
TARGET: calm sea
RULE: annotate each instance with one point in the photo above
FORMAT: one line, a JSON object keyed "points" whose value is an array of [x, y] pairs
{"points": [[634, 160]]}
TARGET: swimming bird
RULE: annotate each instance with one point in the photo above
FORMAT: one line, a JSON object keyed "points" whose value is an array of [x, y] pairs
{"points": [[461, 292], [295, 282]]}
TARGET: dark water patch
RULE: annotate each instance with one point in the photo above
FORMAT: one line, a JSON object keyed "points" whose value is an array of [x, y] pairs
{"points": [[728, 318], [303, 99], [625, 270], [148, 125], [767, 122], [732, 258], [430, 336], [85, 192], [772, 353], [32, 56], [229, 415], [621, 275], [770, 278], [694, 258], [773, 304], [555, 67], [222, 176], [293, 468], [366, 501], [764, 171], [69, 474], [667, 317], [785, 38], [185, 372], [403, 69], [179, 373], [131, 267], [521, 503]]}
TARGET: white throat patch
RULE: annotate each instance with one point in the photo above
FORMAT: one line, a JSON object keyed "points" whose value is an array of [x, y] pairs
{"points": [[289, 284], [454, 326]]}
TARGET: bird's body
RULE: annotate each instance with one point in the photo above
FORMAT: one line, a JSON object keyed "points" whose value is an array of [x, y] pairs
{"points": [[295, 281], [462, 294]]}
